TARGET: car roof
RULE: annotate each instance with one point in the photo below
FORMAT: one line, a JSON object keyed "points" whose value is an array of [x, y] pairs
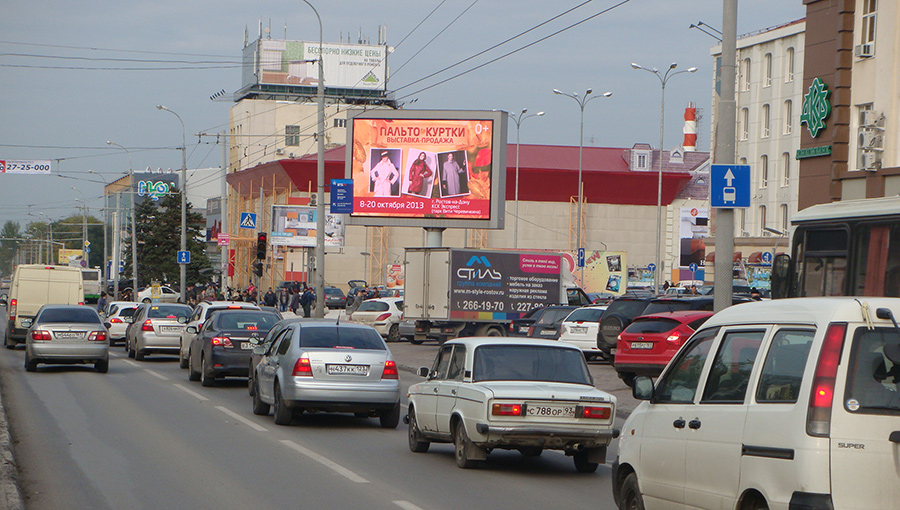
{"points": [[228, 303], [386, 299], [683, 315], [819, 311], [477, 341], [321, 323], [66, 307], [123, 303]]}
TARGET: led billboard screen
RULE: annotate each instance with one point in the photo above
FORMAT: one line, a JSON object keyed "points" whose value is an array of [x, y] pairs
{"points": [[427, 168]]}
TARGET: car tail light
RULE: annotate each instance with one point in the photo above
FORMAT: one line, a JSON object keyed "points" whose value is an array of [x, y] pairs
{"points": [[511, 327], [530, 330], [383, 317], [12, 309], [390, 370], [40, 335], [97, 336], [234, 307], [221, 341], [148, 325], [595, 412], [506, 409], [115, 320], [80, 303], [674, 338], [818, 421], [302, 368]]}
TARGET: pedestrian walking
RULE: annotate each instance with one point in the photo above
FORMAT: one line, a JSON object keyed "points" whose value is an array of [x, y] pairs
{"points": [[295, 301], [306, 301]]}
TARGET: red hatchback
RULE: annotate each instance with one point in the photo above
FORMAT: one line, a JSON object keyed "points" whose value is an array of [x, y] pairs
{"points": [[648, 343]]}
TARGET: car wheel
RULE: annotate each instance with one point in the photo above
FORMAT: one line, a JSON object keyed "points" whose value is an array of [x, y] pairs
{"points": [[390, 418], [259, 407], [630, 494], [193, 374], [416, 443], [493, 332], [394, 333], [582, 464], [462, 447], [139, 355], [283, 415], [207, 378], [531, 451], [30, 364], [145, 300], [627, 378], [102, 366], [251, 383]]}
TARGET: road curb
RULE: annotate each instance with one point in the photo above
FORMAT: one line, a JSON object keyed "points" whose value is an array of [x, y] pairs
{"points": [[10, 495]]}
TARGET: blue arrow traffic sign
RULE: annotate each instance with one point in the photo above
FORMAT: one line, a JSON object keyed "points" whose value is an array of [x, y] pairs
{"points": [[248, 220], [693, 267], [729, 186], [651, 267], [184, 257], [767, 257]]}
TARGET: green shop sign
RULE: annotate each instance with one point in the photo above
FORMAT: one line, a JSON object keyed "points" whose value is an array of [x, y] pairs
{"points": [[816, 107], [811, 152]]}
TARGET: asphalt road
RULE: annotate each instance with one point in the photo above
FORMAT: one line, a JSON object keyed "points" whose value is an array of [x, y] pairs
{"points": [[142, 436]]}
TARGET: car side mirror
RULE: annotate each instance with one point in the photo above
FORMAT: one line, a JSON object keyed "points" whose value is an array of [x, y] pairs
{"points": [[129, 320], [182, 320], [423, 372], [191, 329], [3, 301], [642, 388], [259, 350], [255, 340], [107, 325]]}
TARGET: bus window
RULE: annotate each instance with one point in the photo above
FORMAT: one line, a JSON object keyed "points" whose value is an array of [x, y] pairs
{"points": [[877, 261], [824, 266]]}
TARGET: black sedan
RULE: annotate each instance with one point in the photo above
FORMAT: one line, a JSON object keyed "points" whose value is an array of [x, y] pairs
{"points": [[224, 344], [549, 323]]}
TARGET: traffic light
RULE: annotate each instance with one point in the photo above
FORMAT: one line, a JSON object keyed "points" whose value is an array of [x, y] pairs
{"points": [[261, 239], [258, 268]]}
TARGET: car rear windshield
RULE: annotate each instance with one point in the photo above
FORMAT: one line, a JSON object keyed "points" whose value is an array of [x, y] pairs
{"points": [[652, 326], [553, 315], [337, 337], [873, 379], [334, 292], [667, 305], [585, 315], [69, 315], [530, 363], [627, 307], [247, 321], [168, 311], [127, 312], [373, 306]]}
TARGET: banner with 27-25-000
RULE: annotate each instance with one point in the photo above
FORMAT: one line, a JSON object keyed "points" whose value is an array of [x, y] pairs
{"points": [[422, 168]]}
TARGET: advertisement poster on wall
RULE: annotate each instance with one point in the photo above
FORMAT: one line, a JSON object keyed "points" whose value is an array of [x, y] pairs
{"points": [[295, 226], [604, 271], [429, 171], [692, 233], [396, 276]]}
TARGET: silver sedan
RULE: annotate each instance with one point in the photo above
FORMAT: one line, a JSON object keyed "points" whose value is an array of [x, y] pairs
{"points": [[155, 328], [319, 365], [67, 334]]}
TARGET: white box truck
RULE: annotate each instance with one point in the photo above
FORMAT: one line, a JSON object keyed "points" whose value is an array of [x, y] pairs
{"points": [[453, 292], [36, 285]]}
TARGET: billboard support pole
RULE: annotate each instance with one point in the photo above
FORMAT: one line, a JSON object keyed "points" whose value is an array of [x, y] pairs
{"points": [[434, 237]]}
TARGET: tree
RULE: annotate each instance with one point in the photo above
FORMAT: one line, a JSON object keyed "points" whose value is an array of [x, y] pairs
{"points": [[9, 232], [159, 239]]}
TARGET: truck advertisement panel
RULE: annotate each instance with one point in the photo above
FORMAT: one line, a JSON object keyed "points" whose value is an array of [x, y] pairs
{"points": [[437, 169], [502, 286]]}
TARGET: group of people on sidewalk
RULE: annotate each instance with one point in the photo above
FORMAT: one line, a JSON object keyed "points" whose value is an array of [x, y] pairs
{"points": [[291, 298]]}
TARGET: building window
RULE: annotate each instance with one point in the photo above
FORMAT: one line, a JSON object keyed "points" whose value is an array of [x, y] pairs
{"points": [[762, 220], [763, 171], [788, 117], [745, 123], [340, 123], [784, 217], [767, 69], [743, 161], [745, 74], [743, 229], [789, 65], [642, 161], [786, 166], [765, 121], [292, 136], [870, 8]]}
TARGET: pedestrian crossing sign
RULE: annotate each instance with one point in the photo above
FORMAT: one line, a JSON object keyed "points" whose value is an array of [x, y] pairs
{"points": [[248, 220]]}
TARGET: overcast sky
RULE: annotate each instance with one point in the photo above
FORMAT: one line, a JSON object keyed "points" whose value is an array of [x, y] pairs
{"points": [[65, 109]]}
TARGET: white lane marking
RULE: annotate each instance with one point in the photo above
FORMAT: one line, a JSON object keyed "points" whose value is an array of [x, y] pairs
{"points": [[154, 374], [132, 363], [191, 392], [406, 505], [245, 421], [341, 470]]}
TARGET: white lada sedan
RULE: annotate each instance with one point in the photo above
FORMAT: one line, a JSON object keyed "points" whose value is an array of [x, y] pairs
{"points": [[511, 393]]}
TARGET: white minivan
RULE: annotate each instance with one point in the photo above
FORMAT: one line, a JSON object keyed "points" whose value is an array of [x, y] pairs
{"points": [[786, 404], [36, 285]]}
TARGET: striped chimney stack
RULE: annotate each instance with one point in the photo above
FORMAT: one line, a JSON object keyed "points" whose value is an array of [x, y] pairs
{"points": [[690, 128]]}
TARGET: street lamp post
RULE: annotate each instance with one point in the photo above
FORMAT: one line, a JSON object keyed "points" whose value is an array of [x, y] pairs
{"points": [[50, 228], [582, 101], [320, 177], [663, 79], [518, 120], [103, 260], [182, 268], [132, 198], [84, 237]]}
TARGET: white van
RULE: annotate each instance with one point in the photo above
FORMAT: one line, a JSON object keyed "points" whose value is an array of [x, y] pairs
{"points": [[35, 285], [786, 404]]}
